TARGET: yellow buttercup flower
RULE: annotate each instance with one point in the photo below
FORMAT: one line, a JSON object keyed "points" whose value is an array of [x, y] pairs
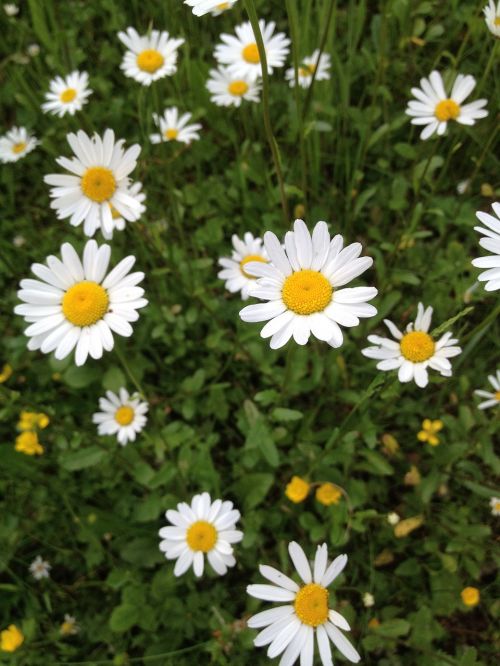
{"points": [[328, 494], [407, 526], [32, 420], [297, 490], [27, 442], [429, 431], [470, 596], [11, 638], [6, 373]]}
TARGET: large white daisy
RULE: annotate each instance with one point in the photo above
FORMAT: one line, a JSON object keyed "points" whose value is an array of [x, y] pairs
{"points": [[98, 178], [149, 57], [412, 352], [490, 242], [122, 415], [434, 108], [492, 398], [67, 95], [174, 127], [290, 629], [215, 7], [241, 54], [74, 304], [228, 90], [233, 268], [202, 528], [119, 222], [301, 284], [16, 144], [307, 67], [492, 17]]}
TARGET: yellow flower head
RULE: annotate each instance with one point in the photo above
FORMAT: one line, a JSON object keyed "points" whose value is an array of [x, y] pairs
{"points": [[429, 431], [470, 596], [405, 527], [6, 373], [297, 490], [11, 638], [390, 444], [328, 494], [32, 420], [69, 626], [27, 442]]}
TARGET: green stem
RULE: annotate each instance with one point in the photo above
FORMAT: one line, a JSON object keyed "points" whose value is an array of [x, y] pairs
{"points": [[134, 660], [129, 373]]}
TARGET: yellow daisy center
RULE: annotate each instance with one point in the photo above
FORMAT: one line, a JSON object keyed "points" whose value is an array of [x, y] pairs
{"points": [[497, 395], [201, 536], [307, 70], [150, 60], [124, 415], [238, 88], [98, 184], [251, 54], [447, 109], [85, 303], [246, 260], [19, 147], [496, 506], [67, 95], [497, 21], [311, 604], [417, 346], [306, 291], [171, 134]]}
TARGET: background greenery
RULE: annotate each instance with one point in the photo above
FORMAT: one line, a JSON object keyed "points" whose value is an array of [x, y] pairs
{"points": [[228, 415]]}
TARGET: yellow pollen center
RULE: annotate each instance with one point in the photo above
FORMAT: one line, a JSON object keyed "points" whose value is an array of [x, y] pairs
{"points": [[222, 6], [417, 346], [238, 88], [306, 292], [248, 259], [85, 303], [98, 184], [311, 604], [307, 70], [171, 134], [124, 415], [497, 506], [497, 395], [447, 109], [497, 21], [67, 95], [150, 60], [19, 147], [201, 536], [251, 54]]}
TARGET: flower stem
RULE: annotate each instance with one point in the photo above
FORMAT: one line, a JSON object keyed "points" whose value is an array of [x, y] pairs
{"points": [[322, 45]]}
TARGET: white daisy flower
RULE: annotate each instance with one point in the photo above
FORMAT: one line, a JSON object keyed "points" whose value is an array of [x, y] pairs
{"points": [[98, 178], [149, 57], [301, 284], [204, 528], [33, 50], [490, 242], [492, 17], [174, 127], [414, 351], [307, 67], [393, 518], [122, 415], [11, 9], [74, 304], [39, 568], [69, 627], [119, 222], [241, 54], [368, 600], [233, 268], [434, 108], [492, 398], [229, 90], [290, 629], [216, 7], [495, 506], [16, 144], [67, 95]]}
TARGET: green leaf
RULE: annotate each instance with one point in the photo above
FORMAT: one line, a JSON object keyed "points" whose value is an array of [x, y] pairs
{"points": [[76, 377], [75, 460], [260, 436], [283, 414], [124, 617], [113, 380], [393, 628], [252, 489]]}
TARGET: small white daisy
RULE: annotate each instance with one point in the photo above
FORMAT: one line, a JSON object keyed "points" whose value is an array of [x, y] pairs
{"points": [[241, 54], [122, 415], [490, 242], [11, 9], [492, 398], [307, 67], [39, 568], [16, 144], [233, 268], [434, 108], [301, 284], [216, 7], [119, 222], [495, 506], [368, 600], [33, 50], [204, 528], [75, 304], [69, 627], [98, 178], [67, 95], [174, 127], [414, 351], [290, 629], [149, 57], [229, 90], [393, 518], [492, 17]]}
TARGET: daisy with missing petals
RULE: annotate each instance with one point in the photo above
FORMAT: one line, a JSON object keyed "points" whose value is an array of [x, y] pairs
{"points": [[16, 144], [74, 304], [122, 415], [233, 268], [229, 90], [202, 528], [301, 286], [490, 242], [39, 568], [149, 57], [290, 629], [174, 127], [414, 351], [434, 108], [492, 17], [492, 398], [216, 7], [240, 52], [98, 180], [307, 67], [119, 222], [67, 95]]}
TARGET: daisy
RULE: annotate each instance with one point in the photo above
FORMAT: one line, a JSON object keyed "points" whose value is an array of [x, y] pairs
{"points": [[490, 242], [122, 415], [301, 284], [290, 629], [67, 95], [98, 178], [241, 52], [492, 398], [16, 144], [149, 57], [40, 568], [119, 222], [495, 506], [216, 7], [414, 351], [69, 627], [307, 67], [204, 528], [434, 108], [492, 17], [233, 268], [74, 304], [229, 90], [174, 127]]}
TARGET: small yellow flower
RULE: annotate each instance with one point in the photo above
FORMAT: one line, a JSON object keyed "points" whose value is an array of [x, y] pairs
{"points": [[11, 638], [27, 442], [470, 596], [6, 373], [328, 494], [297, 490], [405, 527], [429, 430], [32, 420]]}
